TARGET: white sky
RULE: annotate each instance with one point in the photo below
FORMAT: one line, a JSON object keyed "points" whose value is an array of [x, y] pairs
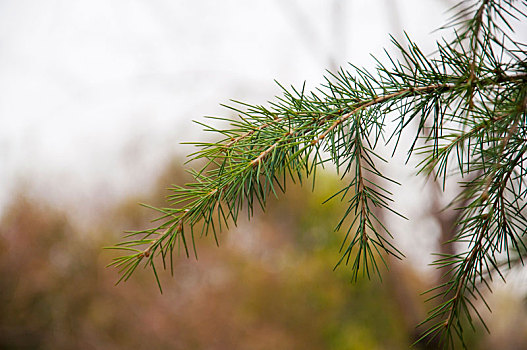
{"points": [[95, 95]]}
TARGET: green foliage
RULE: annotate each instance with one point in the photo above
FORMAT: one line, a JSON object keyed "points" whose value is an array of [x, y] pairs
{"points": [[469, 103]]}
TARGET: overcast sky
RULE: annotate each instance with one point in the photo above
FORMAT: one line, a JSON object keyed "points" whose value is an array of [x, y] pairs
{"points": [[95, 95]]}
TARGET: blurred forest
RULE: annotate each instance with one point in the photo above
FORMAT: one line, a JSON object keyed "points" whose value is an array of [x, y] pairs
{"points": [[269, 286]]}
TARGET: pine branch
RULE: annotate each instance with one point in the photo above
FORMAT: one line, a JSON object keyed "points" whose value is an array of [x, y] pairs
{"points": [[469, 102]]}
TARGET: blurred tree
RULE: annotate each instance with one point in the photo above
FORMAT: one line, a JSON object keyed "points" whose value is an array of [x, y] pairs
{"points": [[469, 103], [270, 289], [250, 294]]}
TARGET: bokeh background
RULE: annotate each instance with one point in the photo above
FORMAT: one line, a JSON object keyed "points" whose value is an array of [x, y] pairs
{"points": [[95, 99]]}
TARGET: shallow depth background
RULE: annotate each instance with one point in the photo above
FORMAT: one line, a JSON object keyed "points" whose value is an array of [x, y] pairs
{"points": [[95, 99]]}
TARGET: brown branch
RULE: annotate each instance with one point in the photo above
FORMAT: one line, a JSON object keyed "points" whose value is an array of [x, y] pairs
{"points": [[471, 259], [262, 155], [268, 150], [363, 209], [249, 133], [503, 145], [377, 100], [155, 243], [468, 264], [473, 43]]}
